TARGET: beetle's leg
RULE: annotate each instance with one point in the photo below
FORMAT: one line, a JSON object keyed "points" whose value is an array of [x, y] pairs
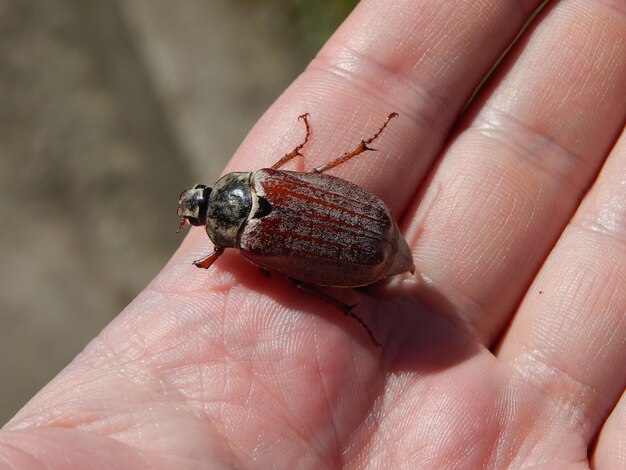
{"points": [[362, 147], [345, 308], [208, 260], [295, 152]]}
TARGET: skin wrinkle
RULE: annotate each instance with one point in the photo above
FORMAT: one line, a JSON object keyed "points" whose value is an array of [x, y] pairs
{"points": [[362, 449], [395, 403], [129, 374], [519, 450], [249, 454], [504, 410], [531, 367], [524, 456], [569, 292], [110, 426], [321, 448], [470, 303], [613, 5], [159, 383], [489, 235], [602, 351], [422, 115], [329, 410], [599, 299], [612, 335], [313, 433], [10, 460], [596, 227], [511, 420], [151, 374], [534, 213], [612, 439], [368, 449], [287, 418], [506, 126]]}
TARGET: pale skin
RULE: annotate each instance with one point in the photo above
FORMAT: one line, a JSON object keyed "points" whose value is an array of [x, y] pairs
{"points": [[506, 350]]}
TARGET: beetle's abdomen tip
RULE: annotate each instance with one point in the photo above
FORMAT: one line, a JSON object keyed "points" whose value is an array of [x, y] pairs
{"points": [[403, 260]]}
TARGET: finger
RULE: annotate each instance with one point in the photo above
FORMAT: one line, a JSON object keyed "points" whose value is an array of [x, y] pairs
{"points": [[610, 452], [387, 56], [524, 158], [567, 344]]}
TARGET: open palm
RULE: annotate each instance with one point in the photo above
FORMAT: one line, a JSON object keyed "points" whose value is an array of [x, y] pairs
{"points": [[507, 349]]}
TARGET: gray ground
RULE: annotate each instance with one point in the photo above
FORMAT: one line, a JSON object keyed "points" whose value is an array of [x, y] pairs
{"points": [[108, 109]]}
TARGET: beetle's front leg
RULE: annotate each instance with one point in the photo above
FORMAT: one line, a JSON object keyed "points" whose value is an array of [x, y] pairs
{"points": [[208, 260], [295, 152], [345, 308], [362, 147]]}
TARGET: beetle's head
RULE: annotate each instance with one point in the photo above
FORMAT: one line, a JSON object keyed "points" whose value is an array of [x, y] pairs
{"points": [[193, 204]]}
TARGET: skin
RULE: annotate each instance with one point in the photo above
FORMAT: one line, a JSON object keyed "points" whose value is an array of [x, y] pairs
{"points": [[507, 350]]}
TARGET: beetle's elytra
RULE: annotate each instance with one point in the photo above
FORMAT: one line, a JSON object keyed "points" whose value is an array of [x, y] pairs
{"points": [[317, 229]]}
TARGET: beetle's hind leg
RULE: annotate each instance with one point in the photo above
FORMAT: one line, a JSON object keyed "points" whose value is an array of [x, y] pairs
{"points": [[362, 147], [345, 308], [295, 152]]}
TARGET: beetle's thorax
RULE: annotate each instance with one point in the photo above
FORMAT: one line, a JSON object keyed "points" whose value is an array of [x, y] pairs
{"points": [[230, 205]]}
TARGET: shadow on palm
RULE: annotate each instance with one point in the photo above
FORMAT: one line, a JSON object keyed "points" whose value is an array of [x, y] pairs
{"points": [[416, 335]]}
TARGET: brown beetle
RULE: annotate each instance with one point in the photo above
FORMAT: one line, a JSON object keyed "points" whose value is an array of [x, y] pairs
{"points": [[317, 229]]}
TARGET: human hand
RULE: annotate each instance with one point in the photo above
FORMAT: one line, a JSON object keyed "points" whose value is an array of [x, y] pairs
{"points": [[508, 350]]}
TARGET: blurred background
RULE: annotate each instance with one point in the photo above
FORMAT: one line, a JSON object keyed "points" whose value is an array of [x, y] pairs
{"points": [[107, 110]]}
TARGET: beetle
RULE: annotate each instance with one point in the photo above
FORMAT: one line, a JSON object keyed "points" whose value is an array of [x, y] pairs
{"points": [[317, 229]]}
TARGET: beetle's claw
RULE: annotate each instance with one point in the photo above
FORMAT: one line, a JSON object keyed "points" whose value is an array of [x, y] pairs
{"points": [[208, 260], [361, 322]]}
